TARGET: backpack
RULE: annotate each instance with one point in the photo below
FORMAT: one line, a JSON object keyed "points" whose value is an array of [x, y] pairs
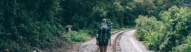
{"points": [[104, 35]]}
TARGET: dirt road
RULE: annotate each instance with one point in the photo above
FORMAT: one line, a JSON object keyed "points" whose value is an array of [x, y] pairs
{"points": [[122, 41]]}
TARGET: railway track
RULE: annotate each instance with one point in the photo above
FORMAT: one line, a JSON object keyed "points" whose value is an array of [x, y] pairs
{"points": [[121, 41], [115, 38], [116, 46]]}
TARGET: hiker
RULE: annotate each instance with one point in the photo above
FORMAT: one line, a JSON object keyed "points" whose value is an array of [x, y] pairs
{"points": [[104, 34]]}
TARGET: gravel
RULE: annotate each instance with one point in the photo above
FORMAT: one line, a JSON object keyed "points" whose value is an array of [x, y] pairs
{"points": [[126, 43]]}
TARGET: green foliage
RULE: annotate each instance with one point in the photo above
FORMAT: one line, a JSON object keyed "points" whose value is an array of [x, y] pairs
{"points": [[39, 23], [89, 13], [149, 30], [170, 33], [184, 47], [26, 24], [176, 20], [74, 36]]}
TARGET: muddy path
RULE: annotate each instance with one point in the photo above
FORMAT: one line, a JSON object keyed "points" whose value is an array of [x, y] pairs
{"points": [[121, 41]]}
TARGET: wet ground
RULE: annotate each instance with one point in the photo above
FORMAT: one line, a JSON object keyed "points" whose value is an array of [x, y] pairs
{"points": [[126, 42]]}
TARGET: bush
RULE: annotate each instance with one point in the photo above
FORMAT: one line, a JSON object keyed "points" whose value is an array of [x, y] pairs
{"points": [[75, 36], [149, 30], [170, 32], [184, 47], [177, 26]]}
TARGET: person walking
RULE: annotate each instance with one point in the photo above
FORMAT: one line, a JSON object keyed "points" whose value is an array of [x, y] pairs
{"points": [[104, 34]]}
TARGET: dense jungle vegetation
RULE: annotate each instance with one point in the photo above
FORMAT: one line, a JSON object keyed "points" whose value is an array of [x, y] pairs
{"points": [[164, 25], [170, 30]]}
